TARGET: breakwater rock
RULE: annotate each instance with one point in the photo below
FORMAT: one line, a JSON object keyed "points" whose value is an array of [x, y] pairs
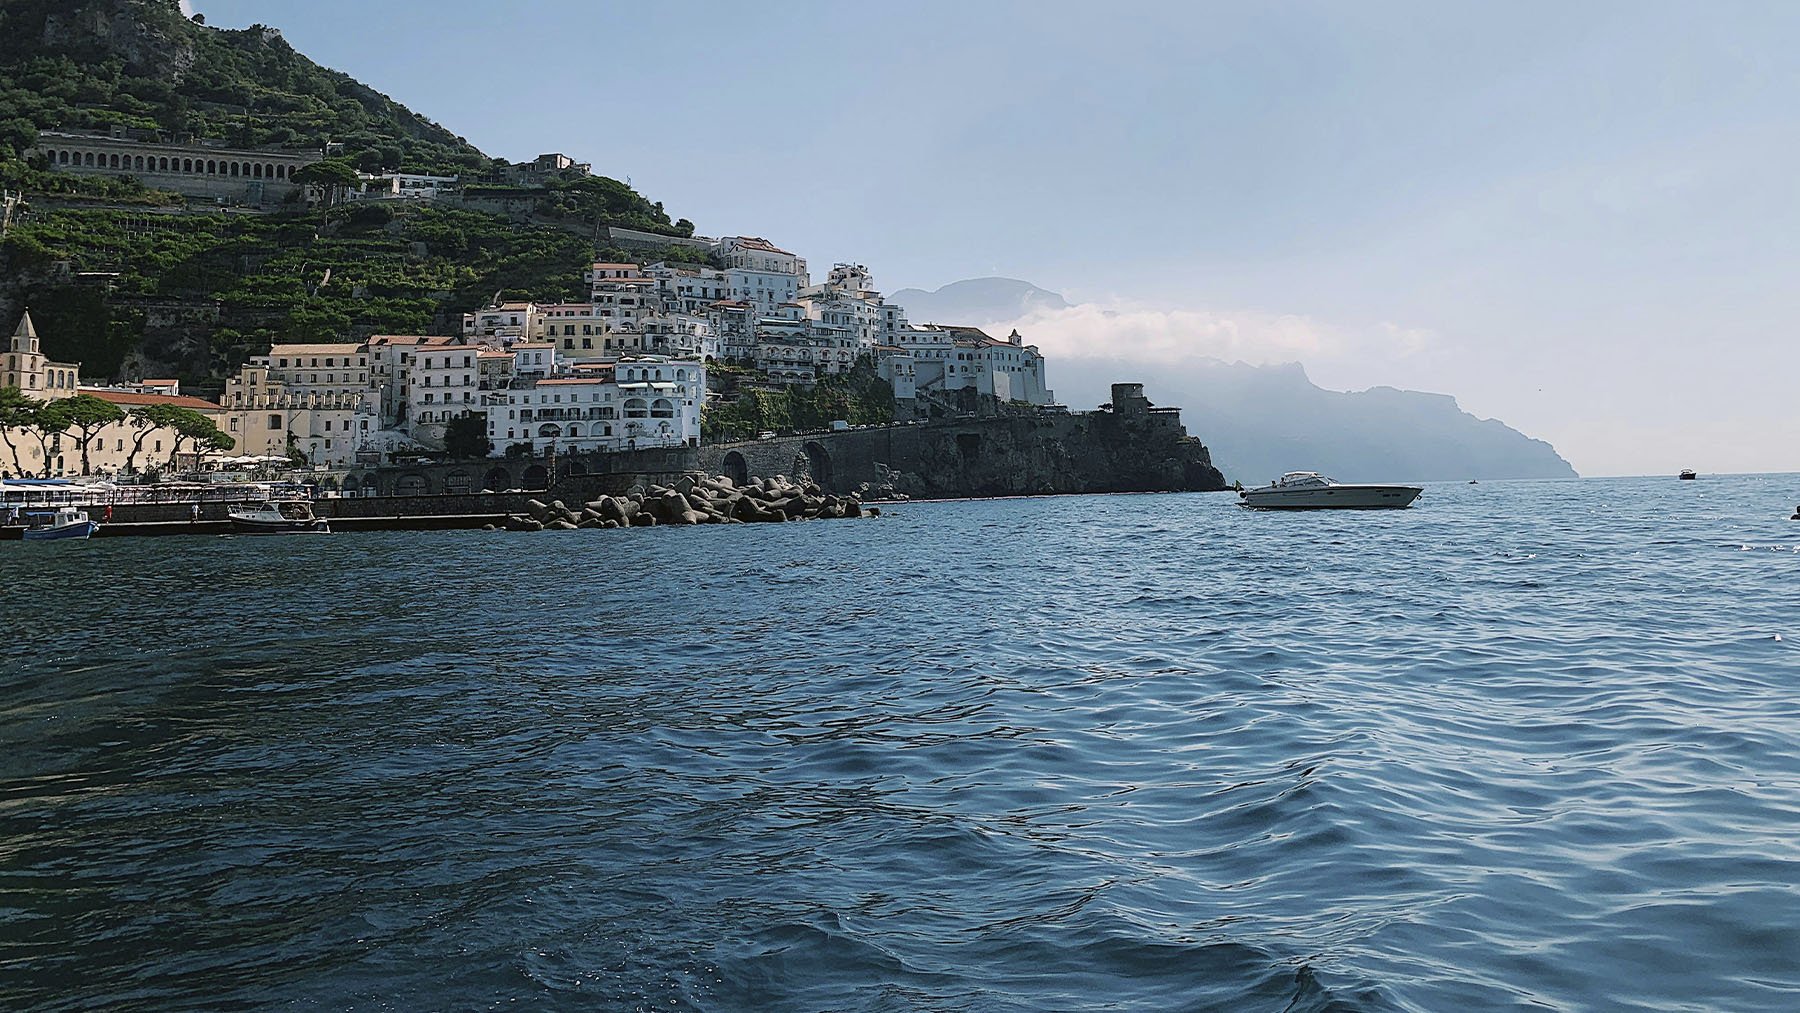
{"points": [[694, 499]]}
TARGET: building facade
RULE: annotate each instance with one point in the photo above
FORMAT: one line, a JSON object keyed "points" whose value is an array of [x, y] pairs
{"points": [[203, 169]]}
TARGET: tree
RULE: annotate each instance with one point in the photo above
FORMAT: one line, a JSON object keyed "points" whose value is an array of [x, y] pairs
{"points": [[466, 436], [333, 174], [17, 411], [48, 420], [144, 421], [191, 426], [87, 416]]}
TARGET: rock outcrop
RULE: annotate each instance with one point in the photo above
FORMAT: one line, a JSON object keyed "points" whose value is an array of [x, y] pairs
{"points": [[694, 499]]}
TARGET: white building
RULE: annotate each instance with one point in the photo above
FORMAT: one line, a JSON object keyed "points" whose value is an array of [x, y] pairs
{"points": [[338, 368], [423, 380], [761, 273], [403, 186], [504, 323], [948, 358], [269, 417], [648, 401], [686, 288]]}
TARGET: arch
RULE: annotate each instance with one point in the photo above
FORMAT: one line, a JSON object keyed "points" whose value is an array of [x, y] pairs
{"points": [[458, 483], [550, 430], [736, 468], [256, 170], [818, 464], [371, 487], [535, 477], [231, 169], [328, 482], [90, 159], [162, 165], [351, 484], [137, 162], [637, 408], [281, 172], [187, 165], [411, 484], [497, 480], [662, 408]]}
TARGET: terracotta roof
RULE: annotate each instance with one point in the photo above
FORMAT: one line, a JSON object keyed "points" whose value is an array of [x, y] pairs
{"points": [[759, 243], [489, 353], [158, 383], [534, 344], [341, 348], [123, 397]]}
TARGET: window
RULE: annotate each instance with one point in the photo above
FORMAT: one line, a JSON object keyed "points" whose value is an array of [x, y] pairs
{"points": [[275, 422], [234, 427]]}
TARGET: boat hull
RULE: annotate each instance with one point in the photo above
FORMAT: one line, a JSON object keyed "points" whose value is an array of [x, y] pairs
{"points": [[1337, 497], [68, 532], [248, 526]]}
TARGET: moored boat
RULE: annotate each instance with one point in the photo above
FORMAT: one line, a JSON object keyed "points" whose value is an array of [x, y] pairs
{"points": [[1687, 475], [277, 517], [56, 525], [1309, 490]]}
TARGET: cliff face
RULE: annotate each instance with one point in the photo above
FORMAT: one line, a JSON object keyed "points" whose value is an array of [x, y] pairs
{"points": [[151, 38], [1071, 454], [1016, 455]]}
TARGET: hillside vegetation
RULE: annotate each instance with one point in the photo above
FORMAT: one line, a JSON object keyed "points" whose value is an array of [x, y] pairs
{"points": [[129, 280], [93, 64]]}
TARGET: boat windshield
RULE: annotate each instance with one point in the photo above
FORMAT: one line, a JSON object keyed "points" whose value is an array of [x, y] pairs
{"points": [[1303, 479]]}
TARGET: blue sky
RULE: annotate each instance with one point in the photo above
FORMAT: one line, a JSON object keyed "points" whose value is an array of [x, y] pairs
{"points": [[1580, 219]]}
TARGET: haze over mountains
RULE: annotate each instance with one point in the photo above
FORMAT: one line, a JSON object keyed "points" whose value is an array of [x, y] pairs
{"points": [[1258, 420]]}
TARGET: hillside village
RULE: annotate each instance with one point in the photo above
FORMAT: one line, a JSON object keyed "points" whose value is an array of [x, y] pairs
{"points": [[174, 242], [626, 369]]}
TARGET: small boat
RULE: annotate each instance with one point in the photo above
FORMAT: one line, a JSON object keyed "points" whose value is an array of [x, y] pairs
{"points": [[1687, 475], [1309, 490], [52, 525], [277, 517]]}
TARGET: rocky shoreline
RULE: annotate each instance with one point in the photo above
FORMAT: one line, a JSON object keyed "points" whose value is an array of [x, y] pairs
{"points": [[695, 499]]}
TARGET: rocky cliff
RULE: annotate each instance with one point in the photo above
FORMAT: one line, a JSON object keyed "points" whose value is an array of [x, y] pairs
{"points": [[1127, 446]]}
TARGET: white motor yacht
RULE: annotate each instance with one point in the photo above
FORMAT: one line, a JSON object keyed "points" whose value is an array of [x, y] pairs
{"points": [[277, 517], [1309, 490]]}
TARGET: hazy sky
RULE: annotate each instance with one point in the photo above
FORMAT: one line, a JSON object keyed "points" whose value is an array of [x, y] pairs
{"points": [[1578, 218]]}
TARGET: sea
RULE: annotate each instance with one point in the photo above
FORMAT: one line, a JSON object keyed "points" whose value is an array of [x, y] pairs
{"points": [[1525, 746]]}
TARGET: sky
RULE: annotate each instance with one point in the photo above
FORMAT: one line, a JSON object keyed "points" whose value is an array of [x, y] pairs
{"points": [[1581, 219]]}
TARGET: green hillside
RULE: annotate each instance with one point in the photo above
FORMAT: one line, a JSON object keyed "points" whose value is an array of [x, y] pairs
{"points": [[130, 281], [92, 64]]}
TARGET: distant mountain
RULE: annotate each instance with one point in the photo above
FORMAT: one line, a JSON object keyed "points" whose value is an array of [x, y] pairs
{"points": [[976, 301], [1262, 421]]}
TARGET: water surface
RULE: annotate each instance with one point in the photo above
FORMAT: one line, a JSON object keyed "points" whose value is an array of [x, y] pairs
{"points": [[1524, 746]]}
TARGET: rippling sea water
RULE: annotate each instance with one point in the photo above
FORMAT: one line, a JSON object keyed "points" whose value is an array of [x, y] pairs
{"points": [[1526, 745]]}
